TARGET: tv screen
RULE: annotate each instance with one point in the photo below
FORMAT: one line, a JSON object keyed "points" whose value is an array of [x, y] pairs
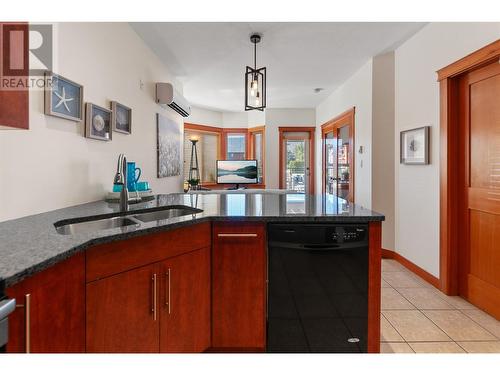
{"points": [[236, 171]]}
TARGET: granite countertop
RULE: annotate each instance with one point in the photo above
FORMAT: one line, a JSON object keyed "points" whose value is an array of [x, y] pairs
{"points": [[31, 244]]}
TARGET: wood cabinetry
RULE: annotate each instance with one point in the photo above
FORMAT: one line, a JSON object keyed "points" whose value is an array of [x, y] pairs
{"points": [[185, 303], [50, 317], [163, 306], [239, 286], [122, 312]]}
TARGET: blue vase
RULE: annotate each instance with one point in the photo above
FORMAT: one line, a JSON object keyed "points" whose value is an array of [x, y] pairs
{"points": [[132, 176]]}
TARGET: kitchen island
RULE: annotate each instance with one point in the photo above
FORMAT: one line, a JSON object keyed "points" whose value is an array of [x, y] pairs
{"points": [[166, 285]]}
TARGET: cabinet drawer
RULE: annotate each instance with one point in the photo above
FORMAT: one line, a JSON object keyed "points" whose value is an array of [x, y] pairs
{"points": [[112, 258]]}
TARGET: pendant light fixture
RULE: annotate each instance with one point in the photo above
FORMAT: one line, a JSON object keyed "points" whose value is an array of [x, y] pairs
{"points": [[255, 81]]}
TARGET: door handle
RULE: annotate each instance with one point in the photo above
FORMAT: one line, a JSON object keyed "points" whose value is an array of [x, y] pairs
{"points": [[27, 321], [153, 307], [167, 297], [237, 235]]}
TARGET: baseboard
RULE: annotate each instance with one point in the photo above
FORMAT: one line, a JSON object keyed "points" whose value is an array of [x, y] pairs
{"points": [[431, 279]]}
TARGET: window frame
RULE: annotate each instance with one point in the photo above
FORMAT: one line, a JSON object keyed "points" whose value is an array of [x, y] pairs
{"points": [[251, 145]]}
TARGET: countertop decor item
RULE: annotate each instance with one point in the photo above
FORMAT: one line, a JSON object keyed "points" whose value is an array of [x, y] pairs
{"points": [[255, 81], [414, 146], [169, 147], [121, 118], [98, 122], [63, 97]]}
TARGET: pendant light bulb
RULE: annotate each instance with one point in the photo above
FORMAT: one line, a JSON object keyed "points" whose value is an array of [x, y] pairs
{"points": [[254, 86], [257, 99]]}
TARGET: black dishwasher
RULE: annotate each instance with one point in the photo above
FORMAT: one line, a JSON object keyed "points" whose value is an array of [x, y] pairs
{"points": [[317, 288]]}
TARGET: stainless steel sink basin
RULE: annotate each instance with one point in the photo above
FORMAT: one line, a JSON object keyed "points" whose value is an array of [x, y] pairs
{"points": [[91, 226], [87, 225], [167, 213]]}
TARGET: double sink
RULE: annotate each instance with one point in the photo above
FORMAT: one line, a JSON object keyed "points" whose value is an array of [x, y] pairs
{"points": [[126, 219]]}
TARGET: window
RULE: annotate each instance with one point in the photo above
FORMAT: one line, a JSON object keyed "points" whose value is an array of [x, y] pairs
{"points": [[257, 145], [208, 151], [218, 143], [236, 146]]}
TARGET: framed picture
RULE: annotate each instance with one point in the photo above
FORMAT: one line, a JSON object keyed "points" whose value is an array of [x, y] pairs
{"points": [[121, 118], [169, 147], [98, 122], [414, 146], [63, 97]]}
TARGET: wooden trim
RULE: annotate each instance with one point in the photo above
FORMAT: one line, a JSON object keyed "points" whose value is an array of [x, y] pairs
{"points": [[431, 279], [312, 131], [251, 147], [202, 128], [450, 151], [374, 286], [471, 61], [346, 117]]}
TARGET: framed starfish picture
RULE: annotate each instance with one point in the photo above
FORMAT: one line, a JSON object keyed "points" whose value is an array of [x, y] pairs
{"points": [[414, 146], [63, 97]]}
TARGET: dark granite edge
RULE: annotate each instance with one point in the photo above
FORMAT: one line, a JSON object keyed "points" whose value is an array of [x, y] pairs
{"points": [[16, 278]]}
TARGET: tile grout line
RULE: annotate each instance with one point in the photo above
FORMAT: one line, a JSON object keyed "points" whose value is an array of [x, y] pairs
{"points": [[421, 310]]}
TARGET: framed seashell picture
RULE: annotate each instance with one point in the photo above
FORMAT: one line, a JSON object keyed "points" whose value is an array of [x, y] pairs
{"points": [[97, 122], [121, 118]]}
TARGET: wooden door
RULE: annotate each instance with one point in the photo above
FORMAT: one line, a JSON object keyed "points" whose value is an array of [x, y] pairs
{"points": [[296, 159], [122, 312], [185, 303], [479, 111], [239, 287], [338, 156], [50, 317]]}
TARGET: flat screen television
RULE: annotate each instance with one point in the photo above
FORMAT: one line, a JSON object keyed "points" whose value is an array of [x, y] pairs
{"points": [[237, 172]]}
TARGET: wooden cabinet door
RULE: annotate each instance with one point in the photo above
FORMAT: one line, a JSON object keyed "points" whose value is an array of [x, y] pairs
{"points": [[185, 303], [50, 317], [122, 312], [239, 286]]}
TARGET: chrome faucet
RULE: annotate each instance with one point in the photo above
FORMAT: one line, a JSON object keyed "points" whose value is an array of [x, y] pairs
{"points": [[121, 179]]}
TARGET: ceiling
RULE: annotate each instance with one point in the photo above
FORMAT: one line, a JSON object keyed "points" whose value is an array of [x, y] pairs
{"points": [[210, 58]]}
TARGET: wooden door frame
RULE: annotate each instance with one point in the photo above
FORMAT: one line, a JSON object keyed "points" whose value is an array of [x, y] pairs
{"points": [[251, 148], [307, 129], [345, 117], [449, 220]]}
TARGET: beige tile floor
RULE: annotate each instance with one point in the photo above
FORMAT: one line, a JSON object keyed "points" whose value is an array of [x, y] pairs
{"points": [[418, 318]]}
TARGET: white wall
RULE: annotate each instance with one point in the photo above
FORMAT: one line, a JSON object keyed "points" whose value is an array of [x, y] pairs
{"points": [[202, 116], [355, 92], [417, 104], [274, 119], [383, 144], [52, 165]]}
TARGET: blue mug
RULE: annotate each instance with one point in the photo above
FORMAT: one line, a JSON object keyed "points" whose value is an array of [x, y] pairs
{"points": [[142, 186], [132, 176]]}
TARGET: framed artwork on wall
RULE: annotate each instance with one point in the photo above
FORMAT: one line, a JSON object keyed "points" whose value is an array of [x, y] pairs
{"points": [[168, 147], [98, 122], [121, 118], [63, 97], [414, 146]]}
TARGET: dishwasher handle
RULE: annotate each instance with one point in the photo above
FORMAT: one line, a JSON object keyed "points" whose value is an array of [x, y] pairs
{"points": [[7, 307]]}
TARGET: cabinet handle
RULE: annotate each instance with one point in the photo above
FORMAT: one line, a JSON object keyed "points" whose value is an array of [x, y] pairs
{"points": [[27, 321], [169, 272], [153, 308], [237, 235]]}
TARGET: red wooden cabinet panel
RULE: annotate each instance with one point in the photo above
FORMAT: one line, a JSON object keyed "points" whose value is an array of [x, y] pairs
{"points": [[123, 312], [54, 319], [185, 303], [239, 286]]}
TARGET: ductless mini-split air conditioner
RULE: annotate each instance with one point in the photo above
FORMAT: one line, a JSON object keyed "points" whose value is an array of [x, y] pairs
{"points": [[167, 96]]}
